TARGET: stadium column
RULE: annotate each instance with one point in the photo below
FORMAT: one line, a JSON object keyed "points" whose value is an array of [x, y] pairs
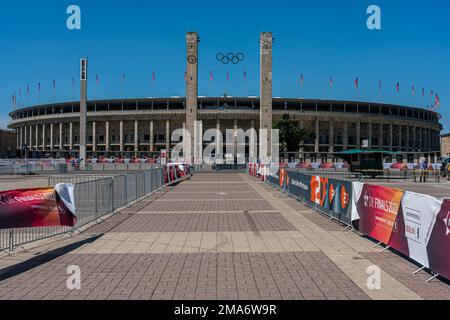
{"points": [[152, 137], [107, 136], [31, 137], [301, 150], [358, 134], [25, 135], [345, 136], [420, 140], [20, 137], [94, 136], [369, 125], [43, 137], [136, 137], [71, 136], [60, 136], [266, 44], [83, 110], [317, 139], [18, 130], [37, 137], [121, 136], [331, 137], [391, 137], [51, 136], [407, 138], [168, 136], [192, 41], [380, 137], [400, 137]]}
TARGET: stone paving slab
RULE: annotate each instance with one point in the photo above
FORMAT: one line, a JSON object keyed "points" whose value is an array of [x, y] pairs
{"points": [[226, 236]]}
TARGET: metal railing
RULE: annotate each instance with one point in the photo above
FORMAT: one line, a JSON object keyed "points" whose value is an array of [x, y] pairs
{"points": [[95, 197], [339, 175], [33, 166]]}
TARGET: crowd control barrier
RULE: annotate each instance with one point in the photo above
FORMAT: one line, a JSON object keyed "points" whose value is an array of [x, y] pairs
{"points": [[416, 225], [95, 196], [329, 196]]}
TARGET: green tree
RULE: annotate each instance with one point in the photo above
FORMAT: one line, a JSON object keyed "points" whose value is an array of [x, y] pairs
{"points": [[291, 135]]}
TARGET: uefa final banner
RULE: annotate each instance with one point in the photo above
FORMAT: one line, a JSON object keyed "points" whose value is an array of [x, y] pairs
{"points": [[330, 194], [40, 207], [414, 224]]}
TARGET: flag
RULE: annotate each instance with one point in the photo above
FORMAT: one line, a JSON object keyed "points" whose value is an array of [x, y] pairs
{"points": [[28, 89], [211, 76], [228, 76], [437, 101], [97, 80], [153, 77], [54, 84], [123, 76], [413, 90], [14, 100], [379, 85], [357, 83], [245, 76], [39, 86], [397, 87], [423, 92], [302, 80], [73, 81], [431, 93], [185, 76], [331, 81]]}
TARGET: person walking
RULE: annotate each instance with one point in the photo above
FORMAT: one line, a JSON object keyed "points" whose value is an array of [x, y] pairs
{"points": [[423, 167]]}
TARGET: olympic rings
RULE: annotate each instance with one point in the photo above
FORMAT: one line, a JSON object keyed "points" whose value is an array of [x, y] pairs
{"points": [[230, 57]]}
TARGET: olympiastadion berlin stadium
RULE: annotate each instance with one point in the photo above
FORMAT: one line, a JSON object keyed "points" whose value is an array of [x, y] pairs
{"points": [[141, 127]]}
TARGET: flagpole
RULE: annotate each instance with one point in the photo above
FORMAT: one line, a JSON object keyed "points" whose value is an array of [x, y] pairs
{"points": [[123, 86]]}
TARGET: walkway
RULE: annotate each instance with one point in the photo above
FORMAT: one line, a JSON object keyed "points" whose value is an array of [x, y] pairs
{"points": [[216, 236]]}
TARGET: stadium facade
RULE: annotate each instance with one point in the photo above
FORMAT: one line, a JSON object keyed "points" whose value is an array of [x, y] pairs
{"points": [[138, 127]]}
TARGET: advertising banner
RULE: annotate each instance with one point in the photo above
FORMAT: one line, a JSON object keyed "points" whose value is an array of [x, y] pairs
{"points": [[438, 247], [330, 194], [414, 224], [40, 207], [378, 208], [280, 179]]}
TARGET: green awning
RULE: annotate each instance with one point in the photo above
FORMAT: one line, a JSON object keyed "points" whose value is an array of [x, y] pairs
{"points": [[368, 151]]}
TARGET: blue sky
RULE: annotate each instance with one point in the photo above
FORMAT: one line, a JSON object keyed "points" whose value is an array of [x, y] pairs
{"points": [[317, 39]]}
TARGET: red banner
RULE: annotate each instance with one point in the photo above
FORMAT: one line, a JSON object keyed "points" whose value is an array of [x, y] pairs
{"points": [[41, 207], [378, 209]]}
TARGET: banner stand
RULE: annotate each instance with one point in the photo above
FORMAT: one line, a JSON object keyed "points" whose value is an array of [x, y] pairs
{"points": [[432, 278], [385, 249], [378, 244], [418, 270]]}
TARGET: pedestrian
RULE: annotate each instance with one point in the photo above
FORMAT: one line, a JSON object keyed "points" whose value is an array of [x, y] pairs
{"points": [[423, 165]]}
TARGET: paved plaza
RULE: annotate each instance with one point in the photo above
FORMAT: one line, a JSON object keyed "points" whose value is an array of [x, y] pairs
{"points": [[215, 236]]}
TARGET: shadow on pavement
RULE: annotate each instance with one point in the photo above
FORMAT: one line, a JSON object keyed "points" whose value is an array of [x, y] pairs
{"points": [[43, 258]]}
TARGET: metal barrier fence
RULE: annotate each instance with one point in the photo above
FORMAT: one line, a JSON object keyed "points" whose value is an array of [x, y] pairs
{"points": [[95, 197], [33, 166], [340, 175]]}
